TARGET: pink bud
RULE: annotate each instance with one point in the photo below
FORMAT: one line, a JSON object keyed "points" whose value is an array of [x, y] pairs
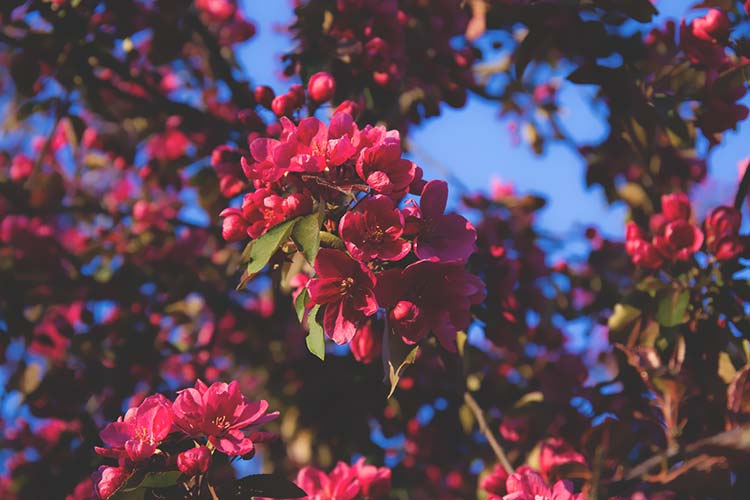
{"points": [[234, 227], [283, 105], [264, 95], [321, 87], [365, 345], [675, 206], [713, 27], [109, 479], [194, 461]]}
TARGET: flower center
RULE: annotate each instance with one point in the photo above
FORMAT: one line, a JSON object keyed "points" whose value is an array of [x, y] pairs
{"points": [[221, 422], [377, 234], [346, 285], [142, 434]]}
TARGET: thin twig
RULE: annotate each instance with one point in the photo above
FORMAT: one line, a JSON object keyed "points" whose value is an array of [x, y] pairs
{"points": [[494, 444], [742, 189]]}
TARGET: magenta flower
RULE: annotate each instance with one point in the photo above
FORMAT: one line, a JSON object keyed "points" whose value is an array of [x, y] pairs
{"points": [[366, 345], [382, 167], [107, 480], [675, 206], [194, 461], [220, 412], [137, 435], [722, 232], [555, 452], [374, 231], [430, 296], [441, 236], [340, 484], [526, 484], [678, 240], [345, 287], [374, 482]]}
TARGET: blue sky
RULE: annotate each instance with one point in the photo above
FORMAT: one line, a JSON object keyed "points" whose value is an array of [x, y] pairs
{"points": [[476, 146]]}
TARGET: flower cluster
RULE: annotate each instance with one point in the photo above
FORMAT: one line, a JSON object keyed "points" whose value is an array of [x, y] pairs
{"points": [[675, 238], [525, 484], [216, 418], [386, 49], [408, 257], [346, 482]]}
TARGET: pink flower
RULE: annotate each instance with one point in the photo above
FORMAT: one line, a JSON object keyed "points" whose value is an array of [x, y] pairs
{"points": [[340, 484], [21, 168], [168, 146], [441, 236], [366, 344], [678, 240], [83, 491], [430, 296], [374, 231], [345, 287], [374, 481], [194, 461], [494, 482], [261, 210], [675, 206], [641, 251], [220, 412], [382, 167], [217, 10], [264, 95], [556, 452], [283, 105], [137, 435], [107, 480], [528, 485], [321, 87], [713, 27], [698, 49], [226, 162], [722, 232]]}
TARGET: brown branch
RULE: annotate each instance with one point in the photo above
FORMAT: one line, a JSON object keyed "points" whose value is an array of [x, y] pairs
{"points": [[494, 444], [742, 189]]}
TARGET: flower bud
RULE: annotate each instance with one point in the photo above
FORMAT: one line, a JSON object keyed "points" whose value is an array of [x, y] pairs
{"points": [[713, 27], [264, 95], [108, 480], [234, 227], [675, 206], [283, 105], [321, 87], [194, 461]]}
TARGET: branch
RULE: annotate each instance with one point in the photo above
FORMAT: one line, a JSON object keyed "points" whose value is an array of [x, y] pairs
{"points": [[742, 189], [735, 442], [479, 415]]}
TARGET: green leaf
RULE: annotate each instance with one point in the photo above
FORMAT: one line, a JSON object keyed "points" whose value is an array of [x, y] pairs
{"points": [[396, 357], [300, 303], [264, 247], [260, 485], [315, 340], [651, 285], [137, 494], [329, 240], [160, 479], [672, 308], [142, 480], [622, 316], [306, 235]]}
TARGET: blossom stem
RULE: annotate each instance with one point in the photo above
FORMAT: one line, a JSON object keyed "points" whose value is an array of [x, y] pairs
{"points": [[485, 429]]}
